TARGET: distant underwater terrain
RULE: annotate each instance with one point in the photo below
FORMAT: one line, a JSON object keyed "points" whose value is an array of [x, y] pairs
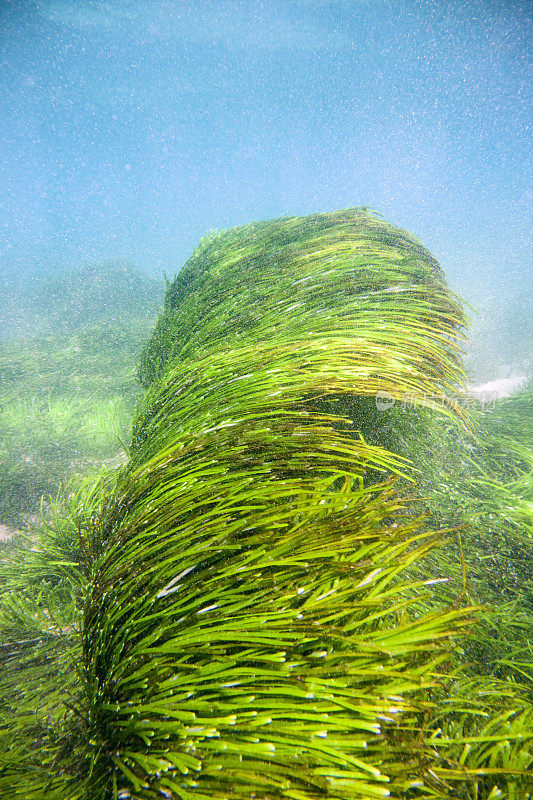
{"points": [[312, 577]]}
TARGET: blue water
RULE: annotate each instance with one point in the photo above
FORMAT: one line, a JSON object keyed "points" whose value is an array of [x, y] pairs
{"points": [[130, 127]]}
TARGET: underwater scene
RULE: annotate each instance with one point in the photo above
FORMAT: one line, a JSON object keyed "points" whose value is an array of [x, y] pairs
{"points": [[266, 430]]}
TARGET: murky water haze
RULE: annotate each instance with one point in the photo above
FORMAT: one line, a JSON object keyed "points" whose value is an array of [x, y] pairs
{"points": [[131, 128]]}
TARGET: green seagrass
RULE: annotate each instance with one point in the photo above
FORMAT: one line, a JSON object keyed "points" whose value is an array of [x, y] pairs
{"points": [[251, 620]]}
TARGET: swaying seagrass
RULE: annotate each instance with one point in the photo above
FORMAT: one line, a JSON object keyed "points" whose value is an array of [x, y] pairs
{"points": [[250, 626], [245, 631]]}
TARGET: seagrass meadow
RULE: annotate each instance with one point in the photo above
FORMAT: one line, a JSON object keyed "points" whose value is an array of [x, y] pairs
{"points": [[248, 608]]}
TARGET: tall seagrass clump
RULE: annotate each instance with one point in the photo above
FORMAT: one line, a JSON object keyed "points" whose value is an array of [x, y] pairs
{"points": [[251, 624], [249, 632]]}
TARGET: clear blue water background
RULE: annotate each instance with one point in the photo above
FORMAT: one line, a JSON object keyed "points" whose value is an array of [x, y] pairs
{"points": [[127, 129]]}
